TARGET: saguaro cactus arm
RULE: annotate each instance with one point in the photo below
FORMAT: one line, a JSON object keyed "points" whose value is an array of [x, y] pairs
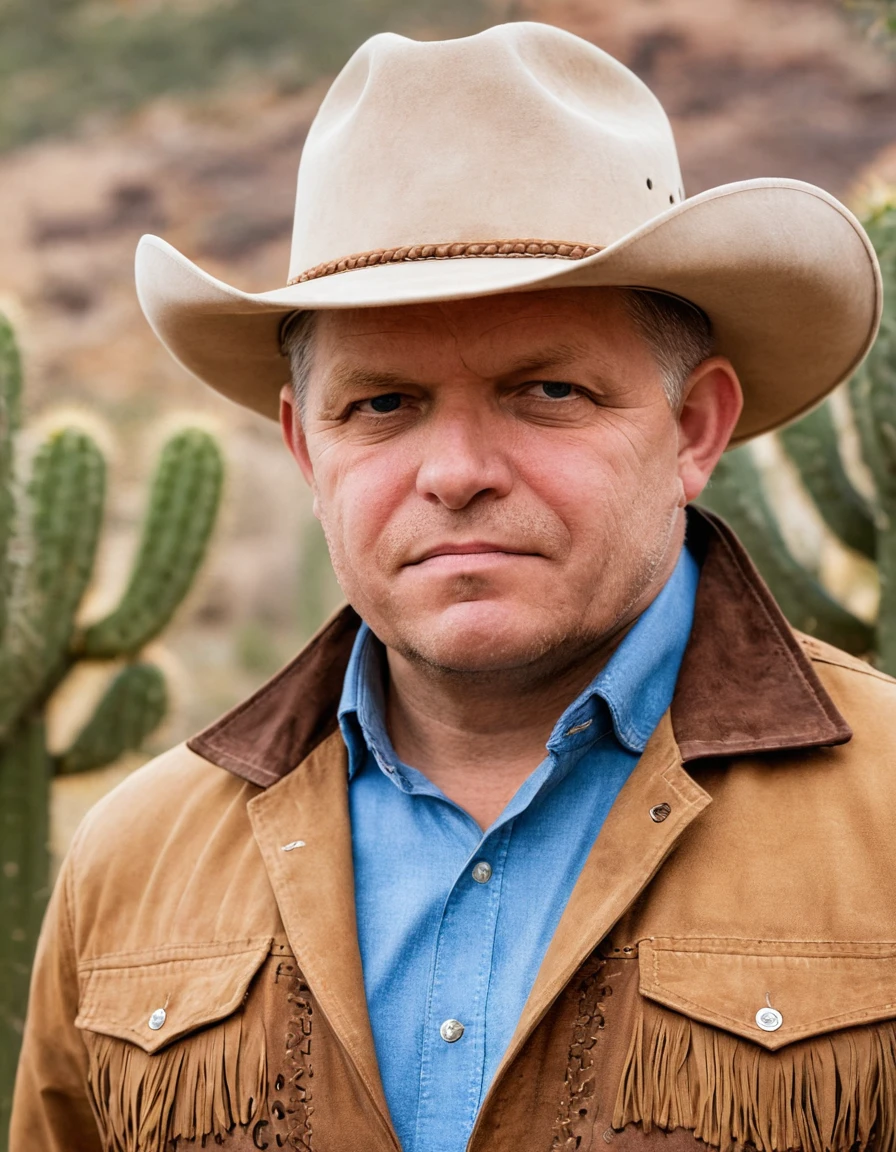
{"points": [[65, 501], [737, 494], [133, 705], [66, 495], [812, 444], [872, 390], [183, 505], [872, 394]]}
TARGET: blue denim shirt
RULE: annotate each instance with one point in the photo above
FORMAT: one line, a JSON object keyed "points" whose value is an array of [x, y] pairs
{"points": [[442, 936]]}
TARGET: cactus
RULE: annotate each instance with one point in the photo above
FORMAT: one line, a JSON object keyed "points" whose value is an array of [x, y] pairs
{"points": [[49, 532], [181, 514], [813, 446]]}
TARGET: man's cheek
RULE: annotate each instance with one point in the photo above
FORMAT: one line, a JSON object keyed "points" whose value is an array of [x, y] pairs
{"points": [[356, 529]]}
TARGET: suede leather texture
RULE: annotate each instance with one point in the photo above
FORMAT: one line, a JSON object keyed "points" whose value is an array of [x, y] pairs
{"points": [[216, 883]]}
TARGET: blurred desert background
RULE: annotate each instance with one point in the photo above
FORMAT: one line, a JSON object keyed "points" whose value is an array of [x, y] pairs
{"points": [[119, 117]]}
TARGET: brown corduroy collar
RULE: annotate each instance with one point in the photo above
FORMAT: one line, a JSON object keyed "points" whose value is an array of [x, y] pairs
{"points": [[745, 684]]}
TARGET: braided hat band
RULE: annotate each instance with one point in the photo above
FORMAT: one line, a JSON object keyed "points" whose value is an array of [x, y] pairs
{"points": [[555, 249]]}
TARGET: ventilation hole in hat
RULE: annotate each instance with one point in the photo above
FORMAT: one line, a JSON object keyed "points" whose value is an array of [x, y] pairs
{"points": [[672, 198], [649, 182]]}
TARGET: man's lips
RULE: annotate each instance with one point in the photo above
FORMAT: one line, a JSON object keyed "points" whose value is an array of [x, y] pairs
{"points": [[469, 548]]}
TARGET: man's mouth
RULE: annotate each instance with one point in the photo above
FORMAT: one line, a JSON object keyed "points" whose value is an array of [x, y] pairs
{"points": [[462, 549]]}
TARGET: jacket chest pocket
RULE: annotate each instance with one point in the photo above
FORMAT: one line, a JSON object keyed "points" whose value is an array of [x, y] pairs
{"points": [[775, 1045], [170, 1056]]}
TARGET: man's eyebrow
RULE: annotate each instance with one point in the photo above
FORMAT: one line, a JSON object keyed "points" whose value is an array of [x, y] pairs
{"points": [[557, 356], [344, 378]]}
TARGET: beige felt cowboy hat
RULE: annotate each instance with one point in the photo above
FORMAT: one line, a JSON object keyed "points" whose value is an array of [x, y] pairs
{"points": [[525, 158]]}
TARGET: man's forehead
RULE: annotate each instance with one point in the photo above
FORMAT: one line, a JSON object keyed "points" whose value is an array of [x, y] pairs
{"points": [[489, 321], [547, 333]]}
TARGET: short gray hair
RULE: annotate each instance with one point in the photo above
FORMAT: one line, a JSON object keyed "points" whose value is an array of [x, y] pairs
{"points": [[678, 333], [296, 342]]}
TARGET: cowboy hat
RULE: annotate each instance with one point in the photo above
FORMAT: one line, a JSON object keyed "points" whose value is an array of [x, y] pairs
{"points": [[518, 159]]}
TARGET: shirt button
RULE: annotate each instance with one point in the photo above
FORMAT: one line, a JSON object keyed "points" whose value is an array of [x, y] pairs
{"points": [[157, 1019], [451, 1031], [482, 872]]}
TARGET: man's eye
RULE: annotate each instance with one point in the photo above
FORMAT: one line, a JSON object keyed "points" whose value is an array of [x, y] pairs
{"points": [[552, 390], [388, 402]]}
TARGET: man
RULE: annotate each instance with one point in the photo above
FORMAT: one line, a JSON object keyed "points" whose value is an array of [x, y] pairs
{"points": [[559, 834]]}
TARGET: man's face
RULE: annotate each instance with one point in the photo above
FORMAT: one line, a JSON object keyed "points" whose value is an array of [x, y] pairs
{"points": [[499, 479]]}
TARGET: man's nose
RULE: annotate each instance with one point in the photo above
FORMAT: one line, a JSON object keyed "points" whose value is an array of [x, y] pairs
{"points": [[464, 459]]}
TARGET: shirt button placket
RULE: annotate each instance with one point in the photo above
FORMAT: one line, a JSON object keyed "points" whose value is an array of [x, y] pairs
{"points": [[454, 1035]]}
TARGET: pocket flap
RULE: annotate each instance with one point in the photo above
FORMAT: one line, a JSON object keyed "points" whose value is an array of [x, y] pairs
{"points": [[179, 989], [814, 987]]}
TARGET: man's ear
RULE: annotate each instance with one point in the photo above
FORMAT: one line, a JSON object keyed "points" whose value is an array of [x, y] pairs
{"points": [[710, 408], [294, 433]]}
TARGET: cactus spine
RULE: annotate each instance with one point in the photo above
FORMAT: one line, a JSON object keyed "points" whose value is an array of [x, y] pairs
{"points": [[813, 446], [49, 532]]}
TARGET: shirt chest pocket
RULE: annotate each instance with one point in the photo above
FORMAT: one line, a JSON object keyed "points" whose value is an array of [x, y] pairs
{"points": [[775, 1045], [171, 1055]]}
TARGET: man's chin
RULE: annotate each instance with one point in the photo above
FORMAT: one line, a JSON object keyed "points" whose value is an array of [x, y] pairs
{"points": [[476, 637]]}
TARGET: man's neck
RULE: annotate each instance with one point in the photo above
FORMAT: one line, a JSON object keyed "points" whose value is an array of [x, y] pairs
{"points": [[478, 738]]}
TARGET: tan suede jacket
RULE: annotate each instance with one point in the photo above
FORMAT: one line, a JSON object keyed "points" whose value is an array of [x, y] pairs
{"points": [[725, 969]]}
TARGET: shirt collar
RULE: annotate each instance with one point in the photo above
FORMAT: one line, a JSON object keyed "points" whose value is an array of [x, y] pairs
{"points": [[638, 681], [362, 707], [635, 686], [765, 694]]}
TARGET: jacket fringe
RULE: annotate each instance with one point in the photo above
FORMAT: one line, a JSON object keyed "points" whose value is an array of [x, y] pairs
{"points": [[202, 1086], [832, 1093]]}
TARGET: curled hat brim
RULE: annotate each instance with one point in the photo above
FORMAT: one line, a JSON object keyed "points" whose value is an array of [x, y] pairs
{"points": [[784, 271]]}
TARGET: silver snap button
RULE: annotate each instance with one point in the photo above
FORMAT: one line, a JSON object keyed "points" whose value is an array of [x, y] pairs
{"points": [[769, 1019], [482, 872], [659, 812], [292, 845], [157, 1019], [451, 1031]]}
